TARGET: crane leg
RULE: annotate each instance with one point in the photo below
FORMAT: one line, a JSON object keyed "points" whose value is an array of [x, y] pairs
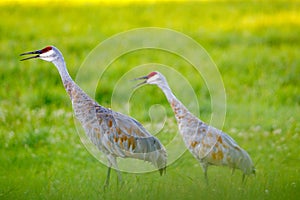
{"points": [[204, 167], [119, 176], [243, 178], [107, 178], [205, 176], [232, 171], [113, 163]]}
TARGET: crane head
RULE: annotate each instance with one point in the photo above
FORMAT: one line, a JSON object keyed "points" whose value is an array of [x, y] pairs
{"points": [[48, 53], [152, 78]]}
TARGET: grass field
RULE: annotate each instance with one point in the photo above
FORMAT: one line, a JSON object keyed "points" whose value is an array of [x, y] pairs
{"points": [[255, 46]]}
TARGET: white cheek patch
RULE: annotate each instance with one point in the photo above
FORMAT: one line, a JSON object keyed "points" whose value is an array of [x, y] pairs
{"points": [[152, 78], [47, 54]]}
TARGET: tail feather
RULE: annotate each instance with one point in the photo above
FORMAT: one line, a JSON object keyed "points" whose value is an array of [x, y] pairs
{"points": [[162, 171], [246, 164], [150, 149]]}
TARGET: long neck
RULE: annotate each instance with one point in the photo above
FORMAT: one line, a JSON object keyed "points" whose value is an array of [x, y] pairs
{"points": [[62, 69], [179, 109], [71, 87], [83, 105]]}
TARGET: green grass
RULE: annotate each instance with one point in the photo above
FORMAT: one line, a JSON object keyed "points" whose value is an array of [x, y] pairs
{"points": [[255, 46]]}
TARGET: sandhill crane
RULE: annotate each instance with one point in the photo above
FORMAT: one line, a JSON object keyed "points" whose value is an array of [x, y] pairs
{"points": [[208, 145], [115, 134]]}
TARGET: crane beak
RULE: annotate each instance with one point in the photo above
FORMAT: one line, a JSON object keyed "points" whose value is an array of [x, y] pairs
{"points": [[38, 52], [141, 78]]}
